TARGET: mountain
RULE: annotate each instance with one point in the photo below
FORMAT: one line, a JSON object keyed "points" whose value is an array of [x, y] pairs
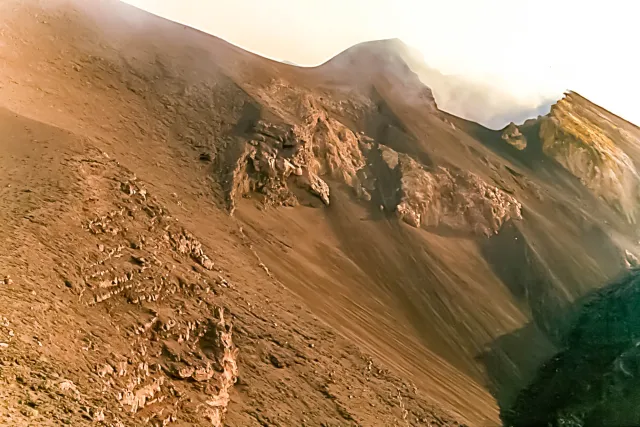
{"points": [[195, 235]]}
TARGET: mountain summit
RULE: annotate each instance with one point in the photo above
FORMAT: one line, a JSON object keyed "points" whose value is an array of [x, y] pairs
{"points": [[195, 235]]}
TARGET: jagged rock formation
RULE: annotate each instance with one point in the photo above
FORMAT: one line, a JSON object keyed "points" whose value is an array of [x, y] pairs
{"points": [[227, 357], [513, 136], [282, 155], [455, 199], [587, 142], [592, 148], [599, 149], [300, 154]]}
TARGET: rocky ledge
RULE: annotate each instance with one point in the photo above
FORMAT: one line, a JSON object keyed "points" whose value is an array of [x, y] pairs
{"points": [[279, 159]]}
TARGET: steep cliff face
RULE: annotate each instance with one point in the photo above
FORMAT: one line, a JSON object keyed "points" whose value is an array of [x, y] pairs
{"points": [[589, 146], [282, 158], [595, 146]]}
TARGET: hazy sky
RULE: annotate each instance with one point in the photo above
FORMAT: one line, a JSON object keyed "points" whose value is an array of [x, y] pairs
{"points": [[527, 47]]}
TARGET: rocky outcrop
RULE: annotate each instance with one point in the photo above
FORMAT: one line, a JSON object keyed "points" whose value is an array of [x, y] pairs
{"points": [[512, 135], [457, 200], [186, 243], [281, 157], [316, 186], [630, 260], [278, 157], [226, 354], [587, 146]]}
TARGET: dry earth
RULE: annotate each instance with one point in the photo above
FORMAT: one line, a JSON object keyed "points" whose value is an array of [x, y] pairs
{"points": [[195, 235]]}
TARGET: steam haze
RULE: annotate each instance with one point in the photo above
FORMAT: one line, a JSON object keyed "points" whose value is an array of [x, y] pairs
{"points": [[492, 61]]}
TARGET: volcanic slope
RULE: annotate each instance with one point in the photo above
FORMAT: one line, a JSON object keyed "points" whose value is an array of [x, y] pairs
{"points": [[191, 232]]}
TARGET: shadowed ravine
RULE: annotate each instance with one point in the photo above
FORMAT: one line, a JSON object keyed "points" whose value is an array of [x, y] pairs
{"points": [[593, 378]]}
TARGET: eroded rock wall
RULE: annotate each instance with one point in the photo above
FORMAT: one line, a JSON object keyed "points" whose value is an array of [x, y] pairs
{"points": [[590, 151], [279, 158], [457, 200]]}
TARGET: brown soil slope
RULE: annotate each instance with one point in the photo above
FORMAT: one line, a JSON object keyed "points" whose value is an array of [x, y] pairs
{"points": [[375, 258]]}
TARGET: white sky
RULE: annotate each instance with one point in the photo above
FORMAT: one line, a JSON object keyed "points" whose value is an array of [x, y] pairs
{"points": [[528, 47]]}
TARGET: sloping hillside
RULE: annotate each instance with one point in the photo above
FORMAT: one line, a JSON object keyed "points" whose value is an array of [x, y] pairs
{"points": [[377, 261]]}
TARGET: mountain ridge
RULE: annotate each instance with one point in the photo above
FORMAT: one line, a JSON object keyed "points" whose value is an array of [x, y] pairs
{"points": [[381, 255]]}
